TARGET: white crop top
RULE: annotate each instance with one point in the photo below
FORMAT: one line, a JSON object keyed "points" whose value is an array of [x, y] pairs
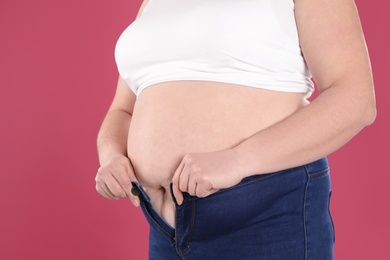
{"points": [[246, 42]]}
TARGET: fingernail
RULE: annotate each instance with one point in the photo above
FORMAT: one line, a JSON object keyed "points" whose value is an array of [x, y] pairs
{"points": [[136, 203]]}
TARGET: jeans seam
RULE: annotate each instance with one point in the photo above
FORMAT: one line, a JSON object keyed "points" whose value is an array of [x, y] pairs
{"points": [[305, 202], [192, 222], [331, 219], [183, 252]]}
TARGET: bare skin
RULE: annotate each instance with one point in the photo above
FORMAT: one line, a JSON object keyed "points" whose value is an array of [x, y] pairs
{"points": [[173, 119], [205, 136]]}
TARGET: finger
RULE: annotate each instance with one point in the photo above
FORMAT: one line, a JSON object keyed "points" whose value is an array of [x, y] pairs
{"points": [[184, 179], [204, 187], [104, 191], [132, 178], [101, 191], [192, 184], [108, 182], [124, 181], [114, 188], [124, 174], [101, 184], [134, 197], [108, 196], [202, 191], [131, 174], [175, 184]]}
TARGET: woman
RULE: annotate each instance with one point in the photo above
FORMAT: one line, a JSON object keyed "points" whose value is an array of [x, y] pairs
{"points": [[211, 132]]}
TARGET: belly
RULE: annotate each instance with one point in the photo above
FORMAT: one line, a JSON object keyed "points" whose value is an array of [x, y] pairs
{"points": [[174, 118]]}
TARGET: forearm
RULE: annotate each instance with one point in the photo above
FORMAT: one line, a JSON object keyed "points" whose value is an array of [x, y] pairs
{"points": [[112, 137], [311, 133]]}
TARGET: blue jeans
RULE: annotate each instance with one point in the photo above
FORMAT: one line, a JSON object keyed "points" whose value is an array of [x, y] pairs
{"points": [[282, 215]]}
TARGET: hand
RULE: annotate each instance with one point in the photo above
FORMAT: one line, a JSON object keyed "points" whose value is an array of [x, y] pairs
{"points": [[113, 180], [202, 174]]}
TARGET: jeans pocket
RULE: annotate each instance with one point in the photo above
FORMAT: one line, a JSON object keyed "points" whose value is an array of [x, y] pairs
{"points": [[318, 174]]}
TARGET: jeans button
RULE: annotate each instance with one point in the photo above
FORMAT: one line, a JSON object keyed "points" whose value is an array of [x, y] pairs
{"points": [[135, 191]]}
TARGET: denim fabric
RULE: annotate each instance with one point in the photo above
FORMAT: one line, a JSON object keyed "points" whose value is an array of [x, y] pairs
{"points": [[282, 215]]}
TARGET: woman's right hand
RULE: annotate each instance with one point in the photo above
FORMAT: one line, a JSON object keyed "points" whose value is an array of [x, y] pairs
{"points": [[113, 179]]}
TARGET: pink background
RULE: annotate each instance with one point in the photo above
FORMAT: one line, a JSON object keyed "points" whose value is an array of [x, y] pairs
{"points": [[57, 79]]}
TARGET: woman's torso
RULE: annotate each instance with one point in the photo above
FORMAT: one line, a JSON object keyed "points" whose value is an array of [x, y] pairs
{"points": [[174, 118], [175, 57]]}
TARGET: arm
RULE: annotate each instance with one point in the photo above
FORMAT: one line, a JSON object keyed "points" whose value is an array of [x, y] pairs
{"points": [[112, 137], [114, 177], [333, 45], [334, 48]]}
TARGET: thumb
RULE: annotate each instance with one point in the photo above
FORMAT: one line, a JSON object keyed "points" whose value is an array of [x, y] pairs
{"points": [[134, 193]]}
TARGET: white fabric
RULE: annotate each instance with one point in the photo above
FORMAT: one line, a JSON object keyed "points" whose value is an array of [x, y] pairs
{"points": [[247, 42]]}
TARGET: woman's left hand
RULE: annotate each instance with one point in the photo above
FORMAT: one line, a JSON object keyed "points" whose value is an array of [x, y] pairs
{"points": [[202, 174]]}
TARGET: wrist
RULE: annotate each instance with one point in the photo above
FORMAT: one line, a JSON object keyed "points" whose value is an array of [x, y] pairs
{"points": [[245, 161], [107, 157]]}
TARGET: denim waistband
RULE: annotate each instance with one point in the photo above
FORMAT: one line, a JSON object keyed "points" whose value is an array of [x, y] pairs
{"points": [[313, 167]]}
